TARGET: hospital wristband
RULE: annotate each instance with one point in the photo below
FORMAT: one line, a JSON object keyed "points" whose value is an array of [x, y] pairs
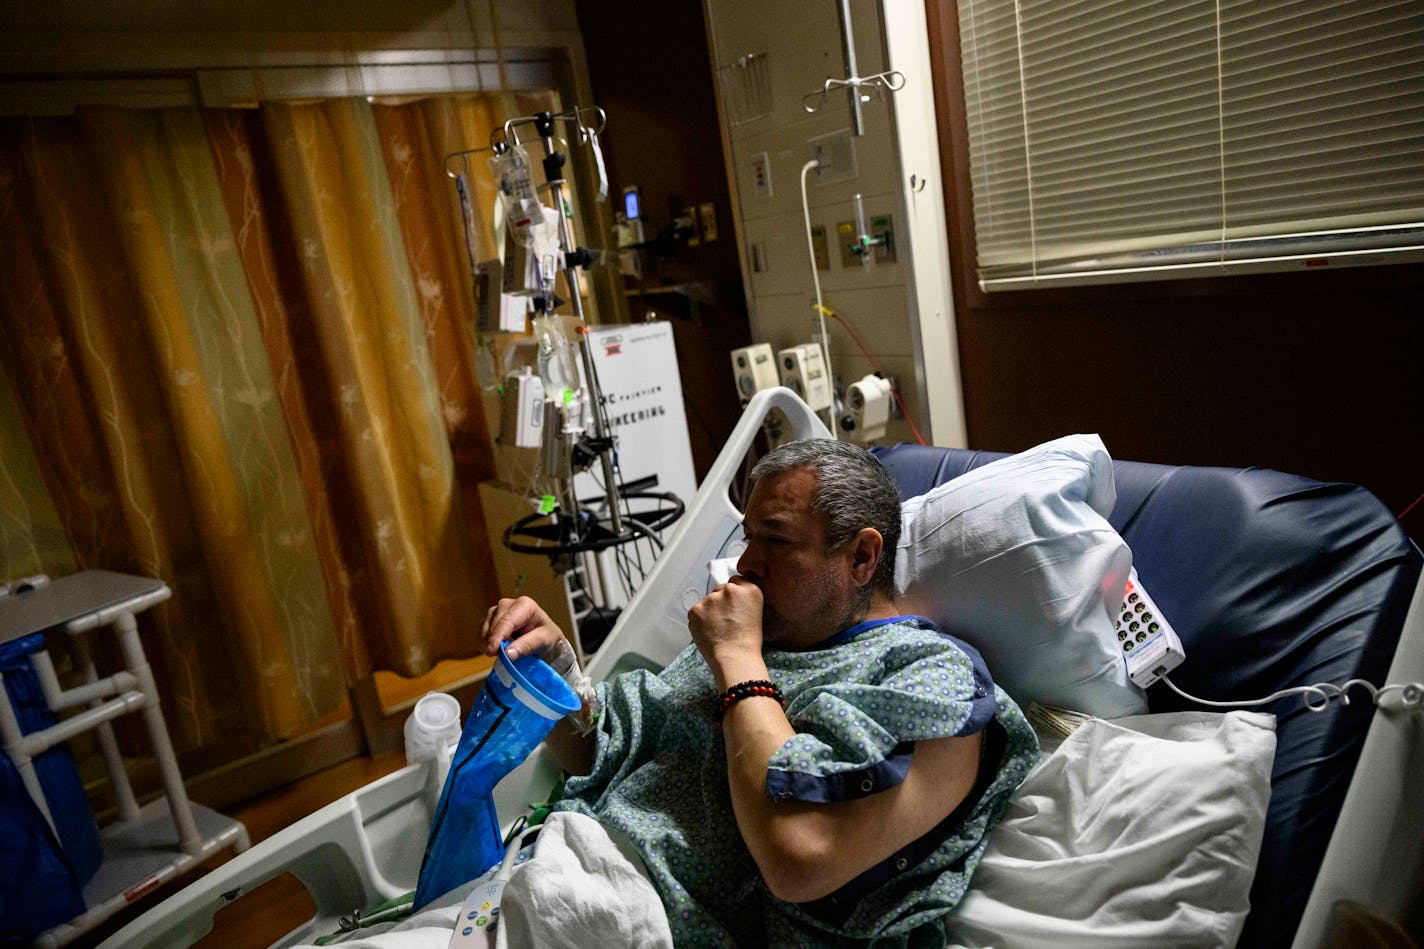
{"points": [[746, 690]]}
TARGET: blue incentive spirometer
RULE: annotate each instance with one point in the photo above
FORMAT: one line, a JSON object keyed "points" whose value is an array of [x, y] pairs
{"points": [[520, 703]]}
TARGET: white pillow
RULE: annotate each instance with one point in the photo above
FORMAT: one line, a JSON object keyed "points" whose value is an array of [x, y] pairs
{"points": [[1017, 558], [1143, 831]]}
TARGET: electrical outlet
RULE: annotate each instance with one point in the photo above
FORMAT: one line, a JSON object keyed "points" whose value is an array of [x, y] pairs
{"points": [[836, 156], [761, 175], [818, 244]]}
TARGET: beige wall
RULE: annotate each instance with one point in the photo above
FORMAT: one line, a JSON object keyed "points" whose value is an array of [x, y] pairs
{"points": [[803, 45]]}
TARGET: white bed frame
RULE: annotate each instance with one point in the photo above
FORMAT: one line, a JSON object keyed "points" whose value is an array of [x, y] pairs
{"points": [[366, 847]]}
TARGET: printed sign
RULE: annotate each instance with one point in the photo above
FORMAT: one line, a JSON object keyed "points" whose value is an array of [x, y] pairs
{"points": [[637, 369]]}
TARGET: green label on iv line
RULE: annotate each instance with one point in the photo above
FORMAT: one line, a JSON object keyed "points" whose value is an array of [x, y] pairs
{"points": [[546, 504], [568, 396]]}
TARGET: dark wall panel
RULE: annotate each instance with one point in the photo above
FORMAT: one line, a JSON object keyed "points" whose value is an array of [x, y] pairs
{"points": [[1316, 372], [651, 72]]}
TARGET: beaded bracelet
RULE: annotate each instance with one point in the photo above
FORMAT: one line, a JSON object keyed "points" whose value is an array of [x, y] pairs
{"points": [[745, 690]]}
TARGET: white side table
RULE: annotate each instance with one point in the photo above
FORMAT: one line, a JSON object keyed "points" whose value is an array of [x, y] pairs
{"points": [[148, 845]]}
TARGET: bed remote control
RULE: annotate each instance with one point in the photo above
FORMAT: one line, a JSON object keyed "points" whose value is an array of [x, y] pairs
{"points": [[479, 915], [1149, 644]]}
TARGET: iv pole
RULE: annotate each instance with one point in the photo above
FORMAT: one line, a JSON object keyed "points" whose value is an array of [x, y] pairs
{"points": [[569, 534], [553, 174]]}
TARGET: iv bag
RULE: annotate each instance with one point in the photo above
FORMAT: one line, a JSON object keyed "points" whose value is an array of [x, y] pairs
{"points": [[557, 367], [518, 707], [515, 183]]}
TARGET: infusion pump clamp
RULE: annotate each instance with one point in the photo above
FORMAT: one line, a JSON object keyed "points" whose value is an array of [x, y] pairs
{"points": [[754, 368], [803, 371]]}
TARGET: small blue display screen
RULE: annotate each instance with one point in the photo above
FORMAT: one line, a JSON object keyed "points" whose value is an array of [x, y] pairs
{"points": [[630, 204]]}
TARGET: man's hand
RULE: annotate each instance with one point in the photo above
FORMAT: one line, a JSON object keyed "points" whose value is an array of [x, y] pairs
{"points": [[524, 624], [726, 626], [529, 631]]}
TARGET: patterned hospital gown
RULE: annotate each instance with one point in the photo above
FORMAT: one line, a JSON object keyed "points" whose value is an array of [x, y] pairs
{"points": [[660, 777]]}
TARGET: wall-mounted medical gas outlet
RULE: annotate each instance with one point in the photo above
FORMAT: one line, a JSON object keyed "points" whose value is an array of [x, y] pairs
{"points": [[761, 175], [836, 156], [803, 371], [883, 226], [754, 368], [818, 247]]}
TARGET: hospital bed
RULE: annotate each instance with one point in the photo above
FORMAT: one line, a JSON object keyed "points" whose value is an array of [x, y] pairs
{"points": [[1271, 580]]}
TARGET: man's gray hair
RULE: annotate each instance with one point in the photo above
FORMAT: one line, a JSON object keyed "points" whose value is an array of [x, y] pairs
{"points": [[853, 491]]}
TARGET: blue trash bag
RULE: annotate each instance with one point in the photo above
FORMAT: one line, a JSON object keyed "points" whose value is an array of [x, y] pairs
{"points": [[64, 792], [38, 887], [520, 703]]}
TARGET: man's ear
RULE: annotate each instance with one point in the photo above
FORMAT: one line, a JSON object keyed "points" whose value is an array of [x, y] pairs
{"points": [[865, 549]]}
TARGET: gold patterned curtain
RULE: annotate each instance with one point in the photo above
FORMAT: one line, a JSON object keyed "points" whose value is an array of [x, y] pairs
{"points": [[237, 356]]}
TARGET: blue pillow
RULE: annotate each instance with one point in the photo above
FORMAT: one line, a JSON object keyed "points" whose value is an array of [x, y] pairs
{"points": [[1018, 559]]}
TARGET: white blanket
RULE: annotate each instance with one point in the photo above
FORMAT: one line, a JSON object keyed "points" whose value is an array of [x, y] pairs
{"points": [[581, 888], [584, 887], [1140, 831]]}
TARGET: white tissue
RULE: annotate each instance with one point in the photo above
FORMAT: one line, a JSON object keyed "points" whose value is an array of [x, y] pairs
{"points": [[722, 570]]}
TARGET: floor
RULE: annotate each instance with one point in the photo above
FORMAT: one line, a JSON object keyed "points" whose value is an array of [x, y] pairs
{"points": [[274, 909]]}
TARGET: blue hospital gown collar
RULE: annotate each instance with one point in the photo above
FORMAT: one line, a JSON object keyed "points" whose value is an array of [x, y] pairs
{"points": [[850, 632]]}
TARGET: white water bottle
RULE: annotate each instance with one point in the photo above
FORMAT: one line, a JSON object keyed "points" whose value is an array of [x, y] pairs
{"points": [[431, 733]]}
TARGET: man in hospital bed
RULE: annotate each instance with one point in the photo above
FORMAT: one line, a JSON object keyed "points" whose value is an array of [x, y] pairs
{"points": [[820, 764]]}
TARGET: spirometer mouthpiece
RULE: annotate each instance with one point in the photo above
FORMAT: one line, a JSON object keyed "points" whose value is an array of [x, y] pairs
{"points": [[433, 724]]}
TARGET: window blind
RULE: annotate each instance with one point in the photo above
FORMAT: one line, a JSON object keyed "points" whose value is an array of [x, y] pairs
{"points": [[1137, 139]]}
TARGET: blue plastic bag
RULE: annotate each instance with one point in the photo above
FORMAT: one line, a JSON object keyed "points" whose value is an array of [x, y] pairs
{"points": [[520, 703], [38, 889], [68, 804], [41, 875]]}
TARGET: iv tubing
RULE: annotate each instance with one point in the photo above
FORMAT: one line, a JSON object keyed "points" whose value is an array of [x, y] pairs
{"points": [[820, 310]]}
